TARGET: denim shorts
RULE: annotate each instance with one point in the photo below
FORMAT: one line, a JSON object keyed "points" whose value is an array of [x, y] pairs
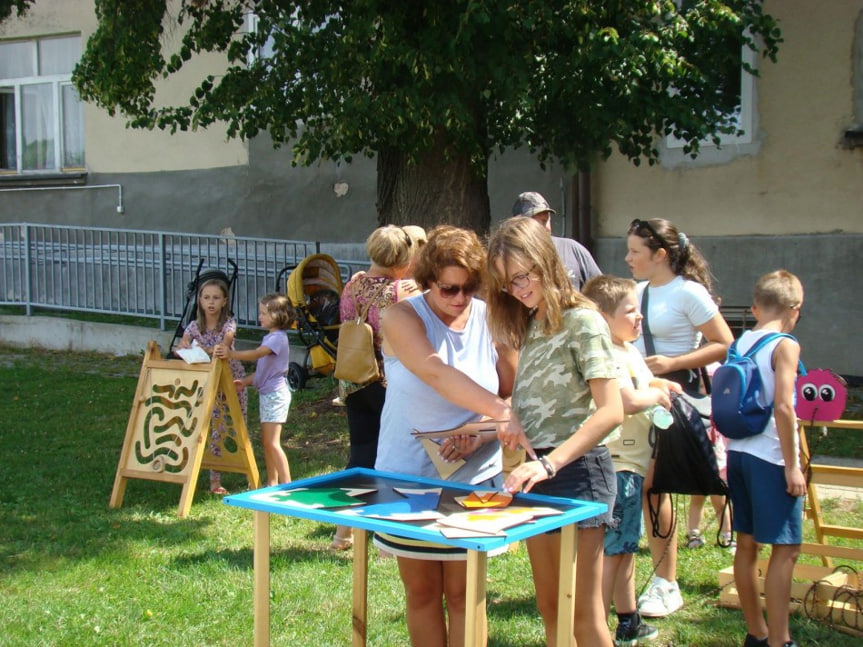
{"points": [[589, 478], [762, 506], [274, 406], [627, 515]]}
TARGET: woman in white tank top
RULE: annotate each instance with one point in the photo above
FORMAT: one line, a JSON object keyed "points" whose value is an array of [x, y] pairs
{"points": [[443, 370]]}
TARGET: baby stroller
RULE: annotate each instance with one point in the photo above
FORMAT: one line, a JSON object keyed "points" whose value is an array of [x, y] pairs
{"points": [[313, 288], [190, 309]]}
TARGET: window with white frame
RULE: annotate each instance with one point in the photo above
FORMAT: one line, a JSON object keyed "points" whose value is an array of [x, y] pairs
{"points": [[739, 98], [41, 117]]}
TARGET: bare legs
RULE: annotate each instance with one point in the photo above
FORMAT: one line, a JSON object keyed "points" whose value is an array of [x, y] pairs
{"points": [[777, 585], [590, 627], [278, 470], [663, 550], [427, 584], [618, 583], [696, 506]]}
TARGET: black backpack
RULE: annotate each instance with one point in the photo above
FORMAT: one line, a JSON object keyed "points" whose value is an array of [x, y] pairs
{"points": [[685, 462]]}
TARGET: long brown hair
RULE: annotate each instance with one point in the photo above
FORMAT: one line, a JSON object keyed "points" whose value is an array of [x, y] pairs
{"points": [[527, 242], [684, 257], [223, 314]]}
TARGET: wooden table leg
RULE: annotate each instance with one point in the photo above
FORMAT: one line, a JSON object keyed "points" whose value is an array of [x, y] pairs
{"points": [[262, 579], [360, 587], [566, 591], [474, 617]]}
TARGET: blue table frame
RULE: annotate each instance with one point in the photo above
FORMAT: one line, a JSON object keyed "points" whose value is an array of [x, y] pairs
{"points": [[572, 511]]}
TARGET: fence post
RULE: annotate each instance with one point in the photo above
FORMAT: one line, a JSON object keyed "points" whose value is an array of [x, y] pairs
{"points": [[28, 293], [164, 274]]}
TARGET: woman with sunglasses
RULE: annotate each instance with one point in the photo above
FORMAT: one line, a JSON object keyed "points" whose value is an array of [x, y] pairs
{"points": [[688, 332], [567, 400], [443, 370]]}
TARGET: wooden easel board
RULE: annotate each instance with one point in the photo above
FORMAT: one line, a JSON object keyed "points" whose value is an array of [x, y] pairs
{"points": [[167, 436], [829, 475]]}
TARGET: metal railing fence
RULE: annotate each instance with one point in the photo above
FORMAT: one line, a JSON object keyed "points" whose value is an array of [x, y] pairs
{"points": [[136, 273]]}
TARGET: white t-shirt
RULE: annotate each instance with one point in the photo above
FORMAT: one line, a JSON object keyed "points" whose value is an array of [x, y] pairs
{"points": [[766, 444], [674, 312]]}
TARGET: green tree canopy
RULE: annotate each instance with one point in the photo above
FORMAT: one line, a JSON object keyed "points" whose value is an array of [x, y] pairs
{"points": [[434, 89], [7, 6]]}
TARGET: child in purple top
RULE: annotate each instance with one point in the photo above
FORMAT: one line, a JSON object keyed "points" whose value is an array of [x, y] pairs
{"points": [[271, 366]]}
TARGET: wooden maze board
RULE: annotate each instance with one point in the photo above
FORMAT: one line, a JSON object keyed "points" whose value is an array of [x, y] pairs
{"points": [[167, 437]]}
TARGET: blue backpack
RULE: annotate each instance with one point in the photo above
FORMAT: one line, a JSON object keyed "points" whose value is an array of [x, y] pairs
{"points": [[737, 392]]}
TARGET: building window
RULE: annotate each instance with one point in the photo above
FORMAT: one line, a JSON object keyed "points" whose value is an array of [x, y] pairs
{"points": [[41, 120], [738, 99]]}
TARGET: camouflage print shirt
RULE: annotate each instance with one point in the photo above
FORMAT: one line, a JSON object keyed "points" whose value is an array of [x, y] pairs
{"points": [[552, 397]]}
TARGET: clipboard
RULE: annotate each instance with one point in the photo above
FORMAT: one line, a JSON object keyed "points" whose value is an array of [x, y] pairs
{"points": [[429, 442], [477, 428]]}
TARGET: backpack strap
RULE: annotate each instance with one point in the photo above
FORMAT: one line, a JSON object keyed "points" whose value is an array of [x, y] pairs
{"points": [[649, 348], [763, 341]]}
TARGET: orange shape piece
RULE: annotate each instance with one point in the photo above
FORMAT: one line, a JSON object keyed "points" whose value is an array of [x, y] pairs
{"points": [[486, 500]]}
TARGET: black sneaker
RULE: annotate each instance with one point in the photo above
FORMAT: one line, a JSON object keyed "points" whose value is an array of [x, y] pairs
{"points": [[752, 641], [632, 634]]}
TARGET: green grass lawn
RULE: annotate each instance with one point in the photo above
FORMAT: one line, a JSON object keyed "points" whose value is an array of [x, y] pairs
{"points": [[74, 572]]}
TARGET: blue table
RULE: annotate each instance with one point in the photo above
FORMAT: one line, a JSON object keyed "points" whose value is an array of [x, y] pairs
{"points": [[572, 511]]}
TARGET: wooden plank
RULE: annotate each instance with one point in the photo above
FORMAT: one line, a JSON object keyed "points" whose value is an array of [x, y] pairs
{"points": [[834, 475], [475, 614], [840, 552], [261, 565], [842, 531]]}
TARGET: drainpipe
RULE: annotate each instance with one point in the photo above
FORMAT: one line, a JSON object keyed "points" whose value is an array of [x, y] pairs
{"points": [[581, 220], [120, 207]]}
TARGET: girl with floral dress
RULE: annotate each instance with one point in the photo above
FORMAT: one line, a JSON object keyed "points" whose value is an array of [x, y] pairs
{"points": [[214, 325]]}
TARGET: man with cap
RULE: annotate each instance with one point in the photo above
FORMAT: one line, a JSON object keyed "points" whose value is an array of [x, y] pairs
{"points": [[578, 262]]}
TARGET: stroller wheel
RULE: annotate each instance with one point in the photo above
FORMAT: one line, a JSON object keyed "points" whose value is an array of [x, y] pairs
{"points": [[296, 376]]}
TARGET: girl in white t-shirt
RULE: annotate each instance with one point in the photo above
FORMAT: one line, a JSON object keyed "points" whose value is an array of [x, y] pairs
{"points": [[682, 312]]}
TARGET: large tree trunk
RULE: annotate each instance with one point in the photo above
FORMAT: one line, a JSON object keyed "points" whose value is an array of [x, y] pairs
{"points": [[432, 191]]}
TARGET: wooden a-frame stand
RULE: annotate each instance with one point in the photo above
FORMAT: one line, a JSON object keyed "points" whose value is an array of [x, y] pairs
{"points": [[167, 437]]}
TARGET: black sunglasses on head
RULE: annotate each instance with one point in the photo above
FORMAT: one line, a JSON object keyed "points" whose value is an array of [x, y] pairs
{"points": [[638, 224]]}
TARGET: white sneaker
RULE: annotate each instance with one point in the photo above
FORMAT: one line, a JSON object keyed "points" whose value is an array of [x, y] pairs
{"points": [[662, 598]]}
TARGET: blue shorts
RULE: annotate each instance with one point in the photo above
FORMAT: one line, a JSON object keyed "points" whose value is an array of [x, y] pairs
{"points": [[274, 406], [623, 539], [762, 508], [589, 478]]}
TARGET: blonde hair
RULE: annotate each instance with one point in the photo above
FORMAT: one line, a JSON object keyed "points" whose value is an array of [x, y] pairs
{"points": [[450, 246], [778, 290], [389, 246], [527, 243], [417, 235], [607, 291], [280, 310], [200, 318]]}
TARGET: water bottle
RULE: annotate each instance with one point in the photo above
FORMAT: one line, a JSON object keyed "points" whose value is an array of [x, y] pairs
{"points": [[661, 417]]}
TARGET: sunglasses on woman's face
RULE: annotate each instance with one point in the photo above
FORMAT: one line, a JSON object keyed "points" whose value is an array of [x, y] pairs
{"points": [[449, 291]]}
